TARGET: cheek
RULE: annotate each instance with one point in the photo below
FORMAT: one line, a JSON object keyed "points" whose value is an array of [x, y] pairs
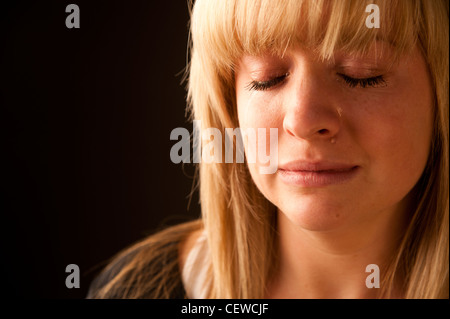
{"points": [[395, 134], [260, 111]]}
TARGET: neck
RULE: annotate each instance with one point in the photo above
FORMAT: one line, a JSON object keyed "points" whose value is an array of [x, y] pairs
{"points": [[332, 263]]}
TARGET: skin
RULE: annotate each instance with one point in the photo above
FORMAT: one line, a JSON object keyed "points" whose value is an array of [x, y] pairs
{"points": [[328, 234]]}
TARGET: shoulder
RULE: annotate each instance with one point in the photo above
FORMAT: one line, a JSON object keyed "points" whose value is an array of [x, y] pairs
{"points": [[195, 262], [187, 245], [149, 268]]}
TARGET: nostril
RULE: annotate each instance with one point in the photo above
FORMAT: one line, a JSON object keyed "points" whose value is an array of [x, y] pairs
{"points": [[323, 131]]}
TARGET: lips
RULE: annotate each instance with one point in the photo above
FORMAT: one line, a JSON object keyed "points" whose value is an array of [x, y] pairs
{"points": [[317, 174]]}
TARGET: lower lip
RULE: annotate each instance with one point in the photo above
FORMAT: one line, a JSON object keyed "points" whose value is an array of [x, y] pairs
{"points": [[317, 178]]}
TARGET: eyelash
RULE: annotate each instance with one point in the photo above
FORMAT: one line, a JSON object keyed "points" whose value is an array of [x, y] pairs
{"points": [[351, 82], [363, 83], [265, 85]]}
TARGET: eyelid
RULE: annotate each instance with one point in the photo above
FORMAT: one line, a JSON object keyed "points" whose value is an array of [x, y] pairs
{"points": [[365, 82], [267, 76], [267, 84], [360, 72]]}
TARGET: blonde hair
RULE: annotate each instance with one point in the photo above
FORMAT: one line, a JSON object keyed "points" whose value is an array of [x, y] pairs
{"points": [[238, 220]]}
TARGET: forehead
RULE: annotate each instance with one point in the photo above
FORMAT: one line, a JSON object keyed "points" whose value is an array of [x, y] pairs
{"points": [[380, 53]]}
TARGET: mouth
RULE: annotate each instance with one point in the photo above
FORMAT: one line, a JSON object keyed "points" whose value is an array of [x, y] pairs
{"points": [[317, 174]]}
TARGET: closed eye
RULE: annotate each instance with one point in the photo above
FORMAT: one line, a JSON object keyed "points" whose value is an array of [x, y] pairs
{"points": [[375, 81], [265, 85]]}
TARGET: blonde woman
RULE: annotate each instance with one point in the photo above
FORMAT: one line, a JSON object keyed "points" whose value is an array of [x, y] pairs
{"points": [[361, 112]]}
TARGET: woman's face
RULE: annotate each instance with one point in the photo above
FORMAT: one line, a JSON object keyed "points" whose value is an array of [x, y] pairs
{"points": [[353, 134]]}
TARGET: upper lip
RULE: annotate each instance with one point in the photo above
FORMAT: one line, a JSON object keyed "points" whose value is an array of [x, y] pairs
{"points": [[309, 166]]}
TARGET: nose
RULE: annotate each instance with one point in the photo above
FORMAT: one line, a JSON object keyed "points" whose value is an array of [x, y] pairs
{"points": [[310, 113]]}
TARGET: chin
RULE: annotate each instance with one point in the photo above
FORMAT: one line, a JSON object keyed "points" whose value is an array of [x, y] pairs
{"points": [[312, 216]]}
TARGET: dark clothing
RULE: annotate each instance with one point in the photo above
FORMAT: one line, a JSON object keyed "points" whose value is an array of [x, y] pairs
{"points": [[154, 263]]}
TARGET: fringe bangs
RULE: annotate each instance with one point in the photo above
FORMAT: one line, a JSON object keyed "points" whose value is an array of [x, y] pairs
{"points": [[225, 30]]}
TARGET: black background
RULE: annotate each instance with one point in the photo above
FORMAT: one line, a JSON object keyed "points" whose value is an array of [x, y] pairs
{"points": [[86, 117]]}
